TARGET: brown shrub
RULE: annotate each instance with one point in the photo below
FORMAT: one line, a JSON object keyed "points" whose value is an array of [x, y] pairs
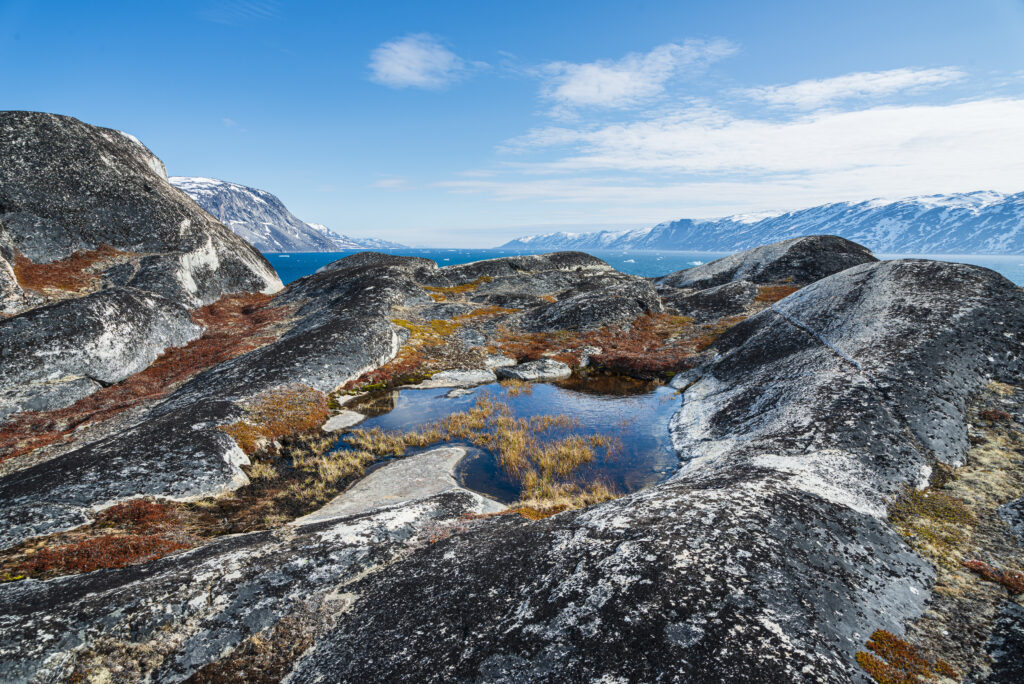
{"points": [[769, 294], [1011, 579], [95, 553], [994, 415], [69, 274], [651, 345], [139, 514]]}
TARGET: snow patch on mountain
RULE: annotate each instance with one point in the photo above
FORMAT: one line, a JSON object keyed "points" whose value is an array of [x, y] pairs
{"points": [[263, 220], [982, 222]]}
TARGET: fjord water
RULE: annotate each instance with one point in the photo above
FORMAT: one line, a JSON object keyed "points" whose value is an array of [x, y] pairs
{"points": [[648, 264], [634, 413]]}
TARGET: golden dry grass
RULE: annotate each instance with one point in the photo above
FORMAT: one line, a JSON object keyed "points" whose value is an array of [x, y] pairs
{"points": [[544, 465]]}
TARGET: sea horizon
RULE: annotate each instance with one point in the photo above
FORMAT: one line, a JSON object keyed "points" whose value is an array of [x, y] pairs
{"points": [[291, 266]]}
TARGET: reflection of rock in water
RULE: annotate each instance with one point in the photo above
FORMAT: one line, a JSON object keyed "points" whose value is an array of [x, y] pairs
{"points": [[375, 403], [595, 382]]}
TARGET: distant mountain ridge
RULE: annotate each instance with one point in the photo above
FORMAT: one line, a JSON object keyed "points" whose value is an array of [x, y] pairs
{"points": [[980, 222], [264, 221]]}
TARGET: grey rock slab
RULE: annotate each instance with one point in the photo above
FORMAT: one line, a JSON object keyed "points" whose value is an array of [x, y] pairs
{"points": [[1013, 513], [458, 378], [710, 304], [541, 369], [342, 420], [180, 454], [877, 363], [614, 304], [194, 607], [408, 479], [497, 361], [1005, 646], [680, 582], [801, 260], [51, 356]]}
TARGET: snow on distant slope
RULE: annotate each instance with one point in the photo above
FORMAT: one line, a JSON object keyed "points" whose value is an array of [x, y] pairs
{"points": [[981, 222], [262, 219]]}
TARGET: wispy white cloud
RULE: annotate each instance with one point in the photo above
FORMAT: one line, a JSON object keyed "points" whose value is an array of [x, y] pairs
{"points": [[812, 94], [632, 80], [709, 161], [417, 61], [230, 123]]}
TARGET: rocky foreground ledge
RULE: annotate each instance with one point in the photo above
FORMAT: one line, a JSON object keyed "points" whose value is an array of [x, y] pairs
{"points": [[847, 506]]}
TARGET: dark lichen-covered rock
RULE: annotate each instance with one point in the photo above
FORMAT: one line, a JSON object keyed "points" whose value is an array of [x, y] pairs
{"points": [[176, 454], [518, 266], [53, 355], [798, 260], [1012, 513], [769, 552], [877, 362], [191, 608], [677, 583], [710, 304], [616, 304], [1006, 646], [66, 187]]}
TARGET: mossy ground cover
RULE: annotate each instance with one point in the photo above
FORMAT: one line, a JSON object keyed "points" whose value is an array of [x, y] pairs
{"points": [[443, 294], [954, 523]]}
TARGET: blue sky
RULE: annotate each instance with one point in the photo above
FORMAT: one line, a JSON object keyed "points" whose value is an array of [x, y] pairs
{"points": [[468, 123]]}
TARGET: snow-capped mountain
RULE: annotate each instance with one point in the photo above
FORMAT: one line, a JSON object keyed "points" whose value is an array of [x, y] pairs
{"points": [[263, 220], [963, 223]]}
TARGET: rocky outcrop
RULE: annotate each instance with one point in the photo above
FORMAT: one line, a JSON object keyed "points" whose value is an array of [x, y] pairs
{"points": [[177, 454], [731, 299], [102, 258], [341, 327], [798, 260], [54, 355], [200, 604], [68, 187], [705, 570], [541, 369]]}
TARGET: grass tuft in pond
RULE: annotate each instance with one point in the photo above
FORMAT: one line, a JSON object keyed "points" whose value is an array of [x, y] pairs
{"points": [[534, 451]]}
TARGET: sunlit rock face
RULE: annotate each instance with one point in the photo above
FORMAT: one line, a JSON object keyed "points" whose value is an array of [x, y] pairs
{"points": [[67, 187]]}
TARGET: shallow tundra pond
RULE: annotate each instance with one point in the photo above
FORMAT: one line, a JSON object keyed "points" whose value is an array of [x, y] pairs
{"points": [[634, 415]]}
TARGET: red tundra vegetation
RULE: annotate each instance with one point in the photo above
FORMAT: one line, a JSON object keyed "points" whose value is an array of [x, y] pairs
{"points": [[131, 532], [71, 274], [1011, 579], [894, 661]]}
